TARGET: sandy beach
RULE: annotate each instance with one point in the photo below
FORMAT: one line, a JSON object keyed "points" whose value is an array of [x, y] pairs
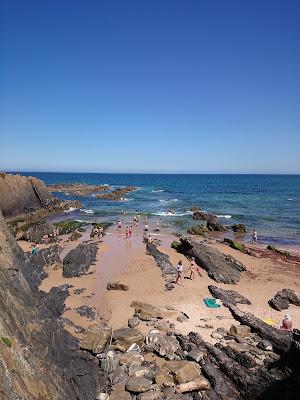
{"points": [[126, 261]]}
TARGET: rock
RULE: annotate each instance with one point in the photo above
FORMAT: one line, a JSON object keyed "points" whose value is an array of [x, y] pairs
{"points": [[79, 291], [240, 330], [124, 337], [151, 396], [164, 378], [77, 189], [195, 355], [239, 228], [283, 299], [217, 335], [241, 348], [118, 376], [198, 230], [183, 371], [168, 272], [200, 214], [164, 326], [140, 372], [220, 267], [86, 311], [164, 345], [117, 194], [131, 360], [265, 345], [119, 393], [182, 318], [147, 312], [117, 286], [36, 232], [78, 260], [138, 385], [133, 322], [228, 296], [103, 396], [96, 337], [214, 224], [75, 236], [109, 362], [234, 244]]}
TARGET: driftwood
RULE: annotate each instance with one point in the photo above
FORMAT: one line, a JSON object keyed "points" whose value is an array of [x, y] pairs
{"points": [[283, 299], [228, 296], [196, 385], [162, 260], [220, 267]]}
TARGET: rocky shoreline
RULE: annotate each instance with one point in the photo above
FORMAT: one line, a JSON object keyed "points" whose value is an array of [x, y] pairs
{"points": [[146, 356]]}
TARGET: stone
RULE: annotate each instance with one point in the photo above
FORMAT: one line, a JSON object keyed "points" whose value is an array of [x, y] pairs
{"points": [[140, 371], [240, 330], [164, 345], [123, 338], [265, 345], [168, 272], [119, 393], [240, 347], [151, 396], [86, 311], [131, 360], [147, 312], [109, 362], [78, 261], [164, 378], [103, 396], [217, 335], [138, 385], [183, 371], [96, 337], [228, 296], [239, 228], [117, 286], [195, 355], [283, 299], [118, 376], [133, 322]]}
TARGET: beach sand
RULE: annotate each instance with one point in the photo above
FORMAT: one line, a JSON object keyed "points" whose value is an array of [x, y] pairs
{"points": [[126, 261]]}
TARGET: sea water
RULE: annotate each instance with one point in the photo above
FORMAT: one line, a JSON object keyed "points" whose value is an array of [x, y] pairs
{"points": [[268, 203]]}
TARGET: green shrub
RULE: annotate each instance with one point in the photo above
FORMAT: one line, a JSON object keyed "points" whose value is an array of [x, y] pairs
{"points": [[6, 341]]}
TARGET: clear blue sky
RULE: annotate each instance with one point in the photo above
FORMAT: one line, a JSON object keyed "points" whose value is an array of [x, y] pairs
{"points": [[157, 85]]}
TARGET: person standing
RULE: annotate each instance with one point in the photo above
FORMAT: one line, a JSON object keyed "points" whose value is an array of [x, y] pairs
{"points": [[254, 237], [179, 273], [127, 232], [119, 224]]}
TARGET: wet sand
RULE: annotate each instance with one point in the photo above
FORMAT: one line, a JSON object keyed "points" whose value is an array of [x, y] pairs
{"points": [[124, 260]]}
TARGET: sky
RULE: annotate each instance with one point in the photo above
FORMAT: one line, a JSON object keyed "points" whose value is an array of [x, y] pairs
{"points": [[150, 86]]}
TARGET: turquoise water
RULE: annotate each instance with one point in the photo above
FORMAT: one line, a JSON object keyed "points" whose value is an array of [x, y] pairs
{"points": [[268, 203]]}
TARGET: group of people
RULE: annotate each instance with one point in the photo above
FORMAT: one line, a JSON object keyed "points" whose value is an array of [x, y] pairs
{"points": [[98, 232], [136, 220], [193, 269], [51, 236]]}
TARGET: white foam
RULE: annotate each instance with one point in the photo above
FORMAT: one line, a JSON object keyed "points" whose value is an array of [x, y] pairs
{"points": [[167, 201], [171, 214], [224, 216], [290, 199], [70, 209], [157, 190], [87, 211]]}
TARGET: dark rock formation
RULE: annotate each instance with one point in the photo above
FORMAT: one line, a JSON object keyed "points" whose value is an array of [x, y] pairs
{"points": [[162, 260], [36, 232], [239, 228], [220, 267], [44, 361], [33, 267], [77, 189], [78, 261], [198, 230], [86, 311], [228, 296], [19, 194], [213, 222], [283, 299], [117, 194], [117, 286]]}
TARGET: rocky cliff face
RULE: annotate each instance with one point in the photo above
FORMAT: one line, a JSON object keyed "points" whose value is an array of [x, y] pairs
{"points": [[19, 194], [38, 358]]}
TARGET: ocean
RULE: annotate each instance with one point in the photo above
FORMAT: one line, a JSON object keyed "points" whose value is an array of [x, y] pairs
{"points": [[268, 203]]}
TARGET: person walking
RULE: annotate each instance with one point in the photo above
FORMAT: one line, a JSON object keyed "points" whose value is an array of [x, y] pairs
{"points": [[254, 237], [127, 233], [179, 273]]}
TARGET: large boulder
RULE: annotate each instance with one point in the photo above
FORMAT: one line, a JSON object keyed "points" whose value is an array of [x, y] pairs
{"points": [[228, 296], [220, 267], [146, 312], [239, 228], [163, 262], [183, 371], [164, 345], [96, 337], [138, 385], [36, 232], [78, 261], [123, 338], [283, 299], [117, 286]]}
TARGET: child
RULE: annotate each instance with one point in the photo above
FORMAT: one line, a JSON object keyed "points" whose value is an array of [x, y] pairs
{"points": [[179, 273]]}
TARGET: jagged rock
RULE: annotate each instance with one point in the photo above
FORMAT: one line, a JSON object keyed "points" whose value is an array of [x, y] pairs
{"points": [[86, 311], [200, 214], [75, 236], [117, 194], [240, 330], [131, 359], [124, 337], [220, 267], [151, 396], [164, 345], [217, 335], [118, 376], [283, 299], [265, 345], [228, 296], [163, 326], [133, 322], [36, 232], [183, 371], [239, 228], [198, 230], [138, 385], [109, 362], [54, 300], [164, 378], [195, 355], [45, 360], [78, 260], [96, 337], [146, 312], [119, 393], [117, 286], [234, 244], [79, 291], [77, 189], [169, 273], [214, 224]]}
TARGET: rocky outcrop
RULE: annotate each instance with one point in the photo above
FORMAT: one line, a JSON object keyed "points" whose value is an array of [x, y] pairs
{"points": [[40, 360], [117, 286], [198, 230], [220, 267], [228, 296], [162, 260], [78, 261], [213, 222], [77, 189], [19, 194], [36, 232], [283, 299], [239, 228], [116, 195]]}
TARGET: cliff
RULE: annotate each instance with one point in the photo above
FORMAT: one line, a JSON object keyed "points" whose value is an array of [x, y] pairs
{"points": [[38, 358], [19, 194]]}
